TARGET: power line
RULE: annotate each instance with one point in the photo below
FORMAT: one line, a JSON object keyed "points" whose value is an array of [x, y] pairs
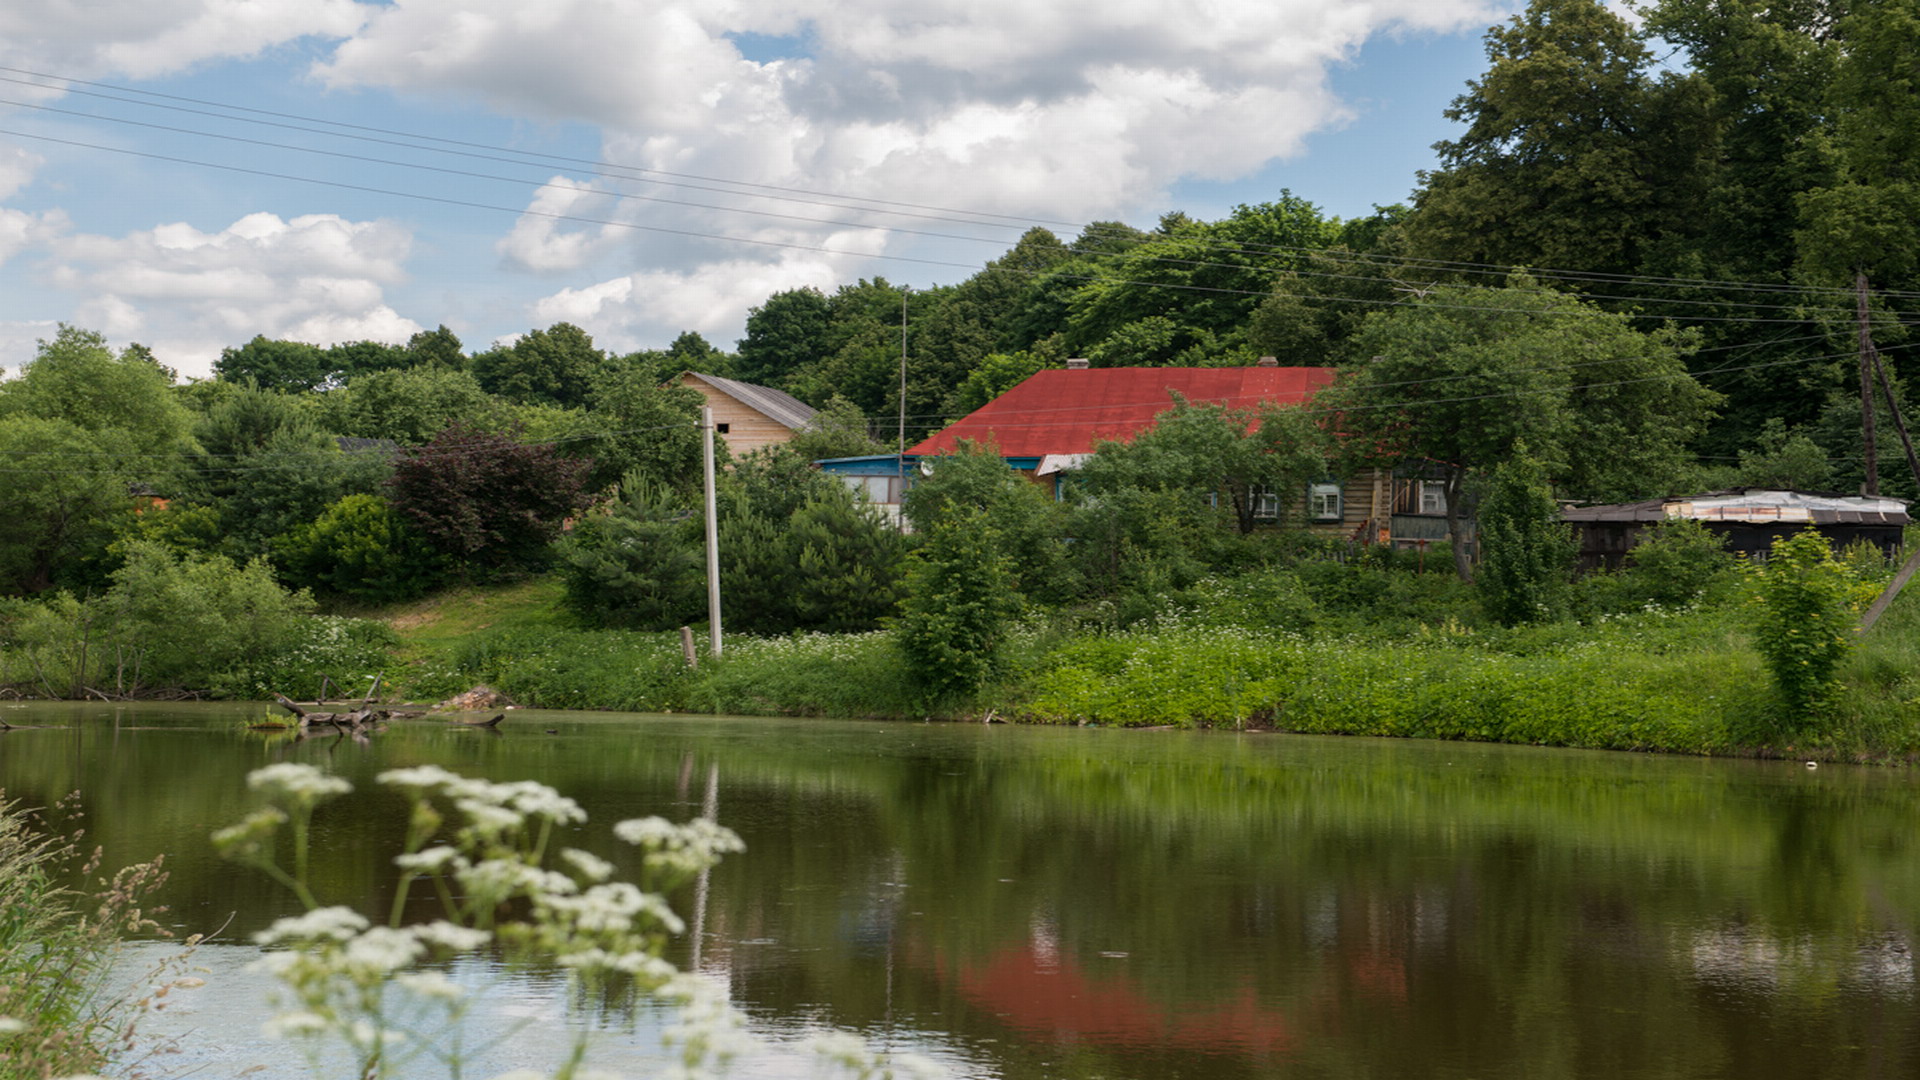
{"points": [[847, 202]]}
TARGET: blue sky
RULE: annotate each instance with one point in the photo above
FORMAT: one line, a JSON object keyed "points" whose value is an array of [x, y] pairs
{"points": [[208, 187]]}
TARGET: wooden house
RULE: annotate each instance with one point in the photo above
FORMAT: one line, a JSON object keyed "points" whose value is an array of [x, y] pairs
{"points": [[1049, 424], [749, 416]]}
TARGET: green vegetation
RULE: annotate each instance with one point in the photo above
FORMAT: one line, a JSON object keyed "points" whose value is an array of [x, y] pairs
{"points": [[57, 1016], [1571, 308]]}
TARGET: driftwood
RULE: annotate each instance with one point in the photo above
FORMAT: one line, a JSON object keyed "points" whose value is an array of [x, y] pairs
{"points": [[474, 700], [493, 723], [364, 716]]}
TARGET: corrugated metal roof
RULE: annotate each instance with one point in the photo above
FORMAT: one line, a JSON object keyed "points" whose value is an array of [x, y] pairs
{"points": [[775, 405], [1061, 411], [1753, 505]]}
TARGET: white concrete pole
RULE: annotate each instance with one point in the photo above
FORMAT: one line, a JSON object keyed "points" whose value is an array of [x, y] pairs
{"points": [[713, 530]]}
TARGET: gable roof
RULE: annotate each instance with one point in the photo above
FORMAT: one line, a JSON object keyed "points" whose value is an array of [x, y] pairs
{"points": [[776, 405], [1061, 411]]}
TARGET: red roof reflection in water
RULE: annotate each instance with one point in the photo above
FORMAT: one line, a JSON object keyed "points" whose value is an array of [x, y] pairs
{"points": [[1053, 997]]}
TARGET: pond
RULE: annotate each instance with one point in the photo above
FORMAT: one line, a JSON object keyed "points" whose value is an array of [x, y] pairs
{"points": [[1029, 903]]}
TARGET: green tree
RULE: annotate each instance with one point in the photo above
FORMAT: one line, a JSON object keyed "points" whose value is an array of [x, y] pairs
{"points": [[1868, 221], [1576, 154], [1184, 295], [784, 335], [185, 620], [838, 429], [410, 405], [1458, 378], [1791, 461], [959, 606], [287, 366], [1256, 463], [127, 399], [439, 347], [639, 562], [1526, 550], [801, 552], [1029, 527], [555, 366], [635, 423], [64, 495]]}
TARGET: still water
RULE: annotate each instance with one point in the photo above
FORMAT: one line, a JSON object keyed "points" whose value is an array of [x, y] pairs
{"points": [[1029, 903]]}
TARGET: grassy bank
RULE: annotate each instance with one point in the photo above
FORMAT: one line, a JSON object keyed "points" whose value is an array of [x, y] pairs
{"points": [[1681, 680]]}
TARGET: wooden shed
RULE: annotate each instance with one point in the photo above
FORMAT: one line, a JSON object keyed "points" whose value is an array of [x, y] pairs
{"points": [[1748, 519]]}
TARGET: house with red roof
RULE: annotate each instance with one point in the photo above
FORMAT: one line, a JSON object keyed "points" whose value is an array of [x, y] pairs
{"points": [[1051, 422]]}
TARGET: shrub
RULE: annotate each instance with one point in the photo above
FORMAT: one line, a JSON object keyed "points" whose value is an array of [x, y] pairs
{"points": [[1526, 550], [489, 502], [1803, 624], [359, 547], [639, 564], [56, 952], [1675, 562], [960, 603]]}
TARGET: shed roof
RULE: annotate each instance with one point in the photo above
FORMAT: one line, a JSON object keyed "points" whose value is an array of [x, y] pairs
{"points": [[1061, 411], [776, 405], [1752, 505]]}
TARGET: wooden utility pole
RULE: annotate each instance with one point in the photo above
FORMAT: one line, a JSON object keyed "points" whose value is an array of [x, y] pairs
{"points": [[1869, 442], [900, 453]]}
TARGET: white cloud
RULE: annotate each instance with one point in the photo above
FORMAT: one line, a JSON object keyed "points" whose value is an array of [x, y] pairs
{"points": [[189, 293], [23, 231], [956, 101], [649, 307], [541, 241], [17, 168], [144, 38]]}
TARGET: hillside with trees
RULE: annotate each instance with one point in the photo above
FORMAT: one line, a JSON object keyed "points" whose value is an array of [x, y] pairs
{"points": [[1644, 266]]}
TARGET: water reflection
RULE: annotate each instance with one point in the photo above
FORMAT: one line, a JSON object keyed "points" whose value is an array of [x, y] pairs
{"points": [[1038, 903]]}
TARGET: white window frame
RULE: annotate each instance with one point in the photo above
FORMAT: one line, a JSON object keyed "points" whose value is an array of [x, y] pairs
{"points": [[1433, 497], [1266, 505], [1325, 502]]}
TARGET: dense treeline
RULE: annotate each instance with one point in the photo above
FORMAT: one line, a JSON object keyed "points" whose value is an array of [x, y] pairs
{"points": [[1630, 274]]}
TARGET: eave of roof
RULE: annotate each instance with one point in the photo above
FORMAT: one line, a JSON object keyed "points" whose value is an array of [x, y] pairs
{"points": [[776, 405], [1060, 411]]}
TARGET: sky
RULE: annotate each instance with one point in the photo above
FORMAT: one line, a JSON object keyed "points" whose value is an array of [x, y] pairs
{"points": [[188, 174]]}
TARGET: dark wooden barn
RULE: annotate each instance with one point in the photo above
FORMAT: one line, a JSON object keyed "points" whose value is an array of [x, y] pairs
{"points": [[1747, 518]]}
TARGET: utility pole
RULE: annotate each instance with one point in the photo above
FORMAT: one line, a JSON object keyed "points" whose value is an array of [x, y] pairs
{"points": [[713, 531], [1867, 358], [900, 452]]}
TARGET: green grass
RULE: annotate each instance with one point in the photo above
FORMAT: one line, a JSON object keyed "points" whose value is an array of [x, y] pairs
{"points": [[1675, 680]]}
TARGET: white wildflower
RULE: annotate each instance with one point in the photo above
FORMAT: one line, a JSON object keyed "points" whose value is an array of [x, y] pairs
{"points": [[294, 1025], [298, 782], [10, 1026], [431, 861], [328, 923], [487, 817], [448, 935], [380, 951], [431, 984], [591, 866], [420, 778]]}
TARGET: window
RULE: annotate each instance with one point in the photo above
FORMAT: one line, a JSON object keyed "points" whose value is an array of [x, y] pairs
{"points": [[1266, 505], [1433, 497], [721, 428], [1323, 502]]}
